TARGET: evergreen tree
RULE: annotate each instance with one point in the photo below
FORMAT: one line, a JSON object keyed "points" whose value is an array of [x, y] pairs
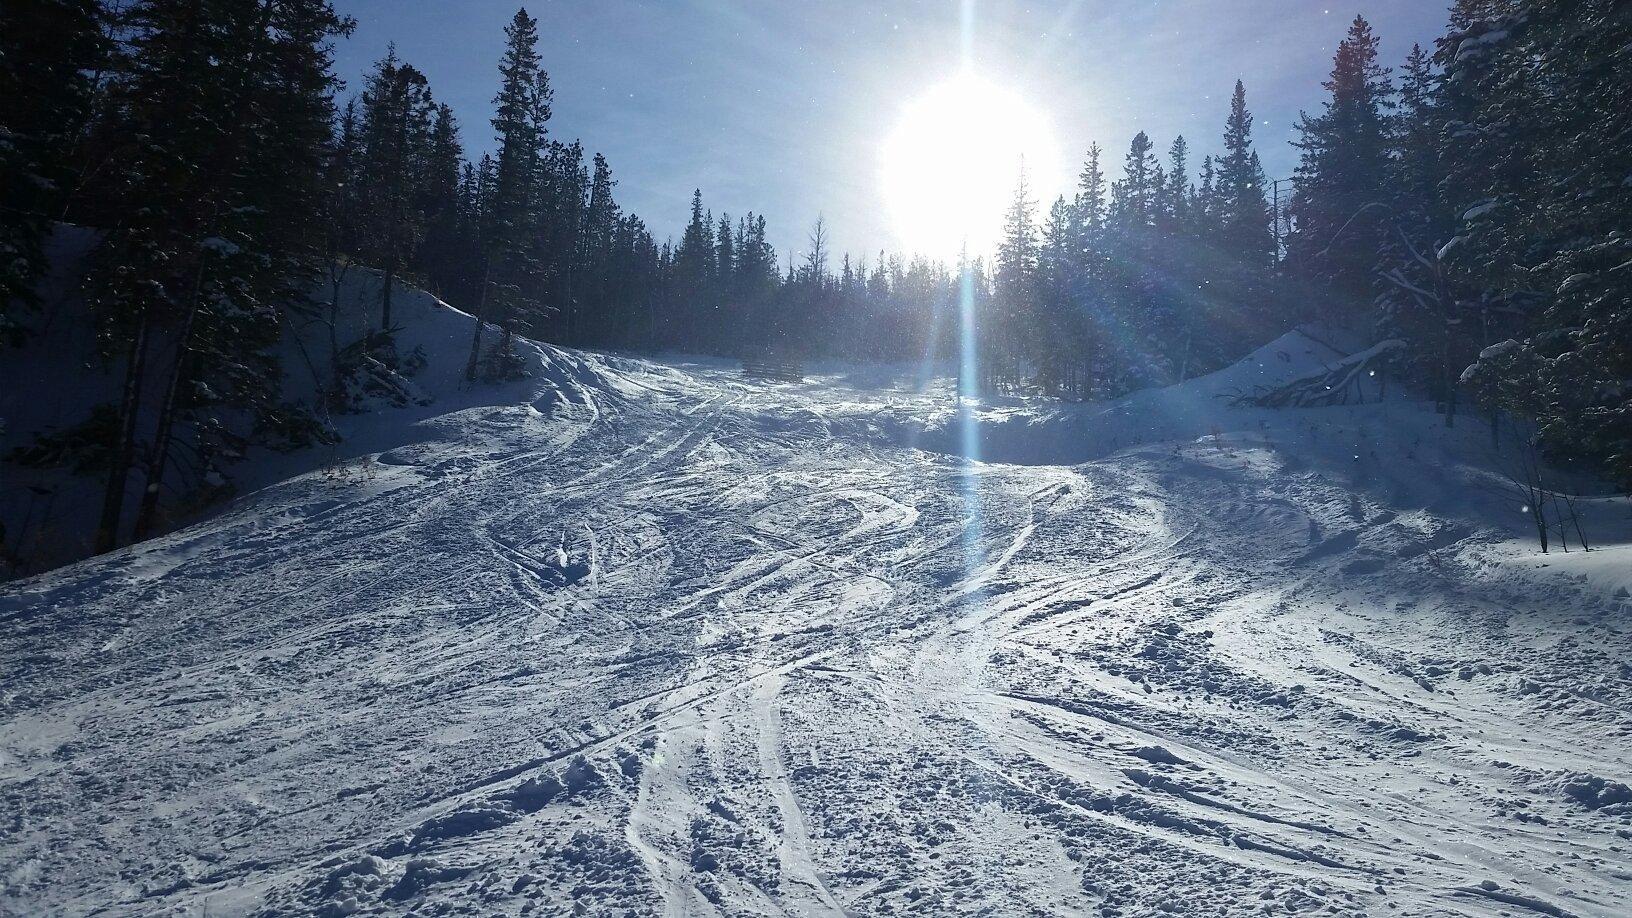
{"points": [[1415, 300], [726, 290], [1177, 193], [1056, 337], [1090, 270], [1012, 323], [1133, 199], [558, 242], [397, 113], [446, 253], [1091, 190], [1416, 139], [49, 50], [1536, 170], [511, 272], [1209, 207], [725, 253], [600, 244], [693, 269], [1246, 233], [757, 284], [219, 159], [342, 214], [1135, 312], [343, 201], [1228, 282], [1338, 204]]}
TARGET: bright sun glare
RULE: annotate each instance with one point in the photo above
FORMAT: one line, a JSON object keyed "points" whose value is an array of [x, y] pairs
{"points": [[950, 165]]}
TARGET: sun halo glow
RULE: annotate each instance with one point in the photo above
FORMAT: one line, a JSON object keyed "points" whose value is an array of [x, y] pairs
{"points": [[950, 166]]}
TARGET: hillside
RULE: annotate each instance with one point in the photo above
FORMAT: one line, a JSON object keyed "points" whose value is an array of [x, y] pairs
{"points": [[642, 637], [55, 381]]}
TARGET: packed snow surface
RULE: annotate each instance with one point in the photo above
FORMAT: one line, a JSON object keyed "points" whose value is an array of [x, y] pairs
{"points": [[656, 640]]}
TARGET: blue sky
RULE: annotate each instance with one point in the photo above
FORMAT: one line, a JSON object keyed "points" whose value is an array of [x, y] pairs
{"points": [[779, 106]]}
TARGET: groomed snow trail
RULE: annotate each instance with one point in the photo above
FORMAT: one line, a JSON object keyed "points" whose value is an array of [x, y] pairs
{"points": [[795, 667]]}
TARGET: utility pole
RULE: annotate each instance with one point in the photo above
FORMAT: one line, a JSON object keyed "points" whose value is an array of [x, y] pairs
{"points": [[1282, 229]]}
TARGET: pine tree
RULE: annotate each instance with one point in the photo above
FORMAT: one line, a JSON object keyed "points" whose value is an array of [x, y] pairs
{"points": [[1056, 338], [219, 155], [511, 270], [1339, 201], [1133, 199], [1416, 137], [1466, 14], [558, 244], [1415, 301], [693, 263], [1091, 190], [1246, 233], [1136, 312], [445, 255], [1089, 271], [48, 51], [724, 253], [1227, 282], [1177, 193], [1014, 317], [1209, 207], [397, 112], [1536, 168], [757, 284], [1017, 253], [633, 284], [709, 255], [600, 241], [342, 215]]}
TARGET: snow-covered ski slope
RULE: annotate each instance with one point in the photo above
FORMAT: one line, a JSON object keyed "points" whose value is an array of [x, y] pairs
{"points": [[655, 640]]}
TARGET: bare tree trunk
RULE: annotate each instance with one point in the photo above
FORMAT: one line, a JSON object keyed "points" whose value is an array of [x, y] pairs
{"points": [[113, 497], [385, 294], [159, 455], [571, 304], [481, 311], [1539, 517], [1558, 514], [226, 154], [1575, 520], [337, 277], [1184, 361]]}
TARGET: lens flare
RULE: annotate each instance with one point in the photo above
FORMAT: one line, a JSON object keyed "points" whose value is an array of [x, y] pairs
{"points": [[950, 165]]}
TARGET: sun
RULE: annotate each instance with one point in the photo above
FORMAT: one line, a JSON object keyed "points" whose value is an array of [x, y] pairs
{"points": [[950, 165]]}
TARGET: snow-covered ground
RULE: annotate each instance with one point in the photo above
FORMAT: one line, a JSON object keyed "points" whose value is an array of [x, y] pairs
{"points": [[651, 639]]}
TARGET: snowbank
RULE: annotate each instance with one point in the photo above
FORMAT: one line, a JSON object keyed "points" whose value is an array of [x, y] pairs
{"points": [[57, 379], [1042, 432]]}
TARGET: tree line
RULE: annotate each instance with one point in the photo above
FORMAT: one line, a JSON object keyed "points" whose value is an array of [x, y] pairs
{"points": [[231, 193], [1474, 207], [1471, 205]]}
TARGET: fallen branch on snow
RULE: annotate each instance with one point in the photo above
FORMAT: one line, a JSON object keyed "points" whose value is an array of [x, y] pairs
{"points": [[1334, 385]]}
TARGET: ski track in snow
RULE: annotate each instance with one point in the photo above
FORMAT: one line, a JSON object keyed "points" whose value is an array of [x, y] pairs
{"points": [[807, 671]]}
